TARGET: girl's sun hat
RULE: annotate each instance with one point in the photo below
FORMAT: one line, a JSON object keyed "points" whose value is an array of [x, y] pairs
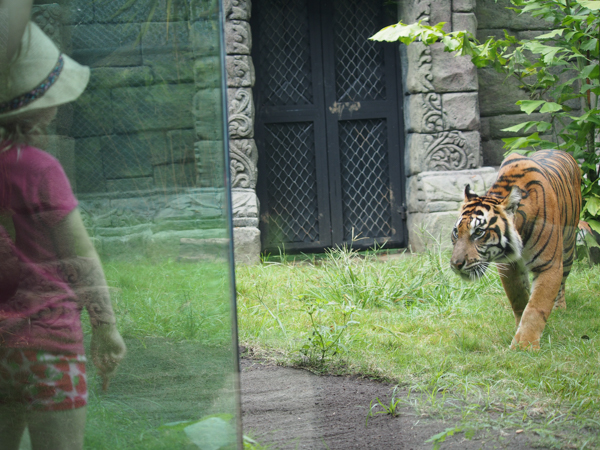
{"points": [[39, 76]]}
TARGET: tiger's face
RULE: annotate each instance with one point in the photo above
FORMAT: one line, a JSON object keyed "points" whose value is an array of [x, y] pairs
{"points": [[484, 233]]}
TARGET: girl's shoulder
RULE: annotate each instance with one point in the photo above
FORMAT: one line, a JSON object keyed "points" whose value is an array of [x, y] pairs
{"points": [[28, 155]]}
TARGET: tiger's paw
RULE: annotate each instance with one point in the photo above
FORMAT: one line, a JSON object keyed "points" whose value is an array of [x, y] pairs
{"points": [[522, 342]]}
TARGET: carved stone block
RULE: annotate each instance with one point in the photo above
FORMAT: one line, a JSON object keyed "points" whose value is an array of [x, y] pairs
{"points": [[238, 37], [433, 112], [444, 191], [464, 22], [429, 69], [461, 111], [463, 5], [246, 245], [423, 113], [244, 203], [427, 11], [243, 156], [445, 151], [237, 9], [240, 71], [416, 61], [241, 113]]}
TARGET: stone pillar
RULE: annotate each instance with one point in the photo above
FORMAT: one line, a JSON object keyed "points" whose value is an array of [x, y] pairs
{"points": [[442, 151], [242, 147]]}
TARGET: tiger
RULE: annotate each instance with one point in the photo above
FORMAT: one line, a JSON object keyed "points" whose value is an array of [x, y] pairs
{"points": [[525, 223]]}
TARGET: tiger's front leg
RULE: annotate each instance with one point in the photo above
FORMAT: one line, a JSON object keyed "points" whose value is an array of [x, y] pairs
{"points": [[533, 321], [515, 279]]}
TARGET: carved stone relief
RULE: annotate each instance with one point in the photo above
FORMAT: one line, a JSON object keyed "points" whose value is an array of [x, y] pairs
{"points": [[237, 9], [243, 156], [238, 38], [240, 71], [448, 151], [433, 117], [241, 113]]}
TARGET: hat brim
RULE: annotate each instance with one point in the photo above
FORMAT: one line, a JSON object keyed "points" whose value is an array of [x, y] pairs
{"points": [[70, 84]]}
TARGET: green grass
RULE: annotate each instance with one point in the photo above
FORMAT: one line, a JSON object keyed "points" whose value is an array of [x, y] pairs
{"points": [[176, 321], [445, 340]]}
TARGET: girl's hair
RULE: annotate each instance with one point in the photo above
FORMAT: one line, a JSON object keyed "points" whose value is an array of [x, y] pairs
{"points": [[24, 129]]}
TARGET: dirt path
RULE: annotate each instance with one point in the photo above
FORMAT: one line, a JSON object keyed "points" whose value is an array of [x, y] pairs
{"points": [[295, 409]]}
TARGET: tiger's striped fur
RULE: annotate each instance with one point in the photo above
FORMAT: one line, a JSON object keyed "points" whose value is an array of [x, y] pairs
{"points": [[525, 223]]}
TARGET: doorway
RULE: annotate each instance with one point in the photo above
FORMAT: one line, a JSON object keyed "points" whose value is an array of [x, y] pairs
{"points": [[328, 126]]}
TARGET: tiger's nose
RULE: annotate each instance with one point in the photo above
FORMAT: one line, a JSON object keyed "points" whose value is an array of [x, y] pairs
{"points": [[457, 263]]}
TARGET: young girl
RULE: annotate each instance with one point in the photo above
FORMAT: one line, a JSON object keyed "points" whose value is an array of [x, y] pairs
{"points": [[49, 267]]}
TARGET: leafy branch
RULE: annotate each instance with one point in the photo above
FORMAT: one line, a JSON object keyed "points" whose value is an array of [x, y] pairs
{"points": [[557, 69]]}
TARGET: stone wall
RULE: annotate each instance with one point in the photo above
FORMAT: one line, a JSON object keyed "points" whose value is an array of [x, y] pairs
{"points": [[442, 124], [498, 95], [144, 144]]}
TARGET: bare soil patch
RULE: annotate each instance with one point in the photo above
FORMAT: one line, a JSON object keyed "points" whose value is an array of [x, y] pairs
{"points": [[289, 408]]}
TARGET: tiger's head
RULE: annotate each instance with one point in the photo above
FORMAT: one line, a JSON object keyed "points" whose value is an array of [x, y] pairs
{"points": [[485, 233]]}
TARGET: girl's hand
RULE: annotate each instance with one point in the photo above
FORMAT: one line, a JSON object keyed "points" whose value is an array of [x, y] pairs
{"points": [[107, 349]]}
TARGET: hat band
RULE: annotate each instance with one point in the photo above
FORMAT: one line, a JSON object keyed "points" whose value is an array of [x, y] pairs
{"points": [[37, 92]]}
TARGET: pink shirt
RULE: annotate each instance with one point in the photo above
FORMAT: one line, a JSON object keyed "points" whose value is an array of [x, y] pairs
{"points": [[43, 313]]}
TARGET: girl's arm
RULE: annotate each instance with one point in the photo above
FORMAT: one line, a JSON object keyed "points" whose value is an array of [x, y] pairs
{"points": [[84, 273]]}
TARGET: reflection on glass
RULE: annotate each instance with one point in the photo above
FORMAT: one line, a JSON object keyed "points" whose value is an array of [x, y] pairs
{"points": [[142, 148]]}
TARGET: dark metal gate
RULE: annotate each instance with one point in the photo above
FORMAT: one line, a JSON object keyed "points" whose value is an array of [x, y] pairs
{"points": [[328, 125]]}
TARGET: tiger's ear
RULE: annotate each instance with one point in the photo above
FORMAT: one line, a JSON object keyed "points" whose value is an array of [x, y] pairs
{"points": [[469, 194], [512, 200]]}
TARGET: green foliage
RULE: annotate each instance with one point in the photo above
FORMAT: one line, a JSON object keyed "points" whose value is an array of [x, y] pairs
{"points": [[391, 408], [329, 321], [556, 68], [448, 432]]}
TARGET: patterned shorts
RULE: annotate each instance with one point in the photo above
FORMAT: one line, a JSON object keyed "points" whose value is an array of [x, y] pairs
{"points": [[42, 381]]}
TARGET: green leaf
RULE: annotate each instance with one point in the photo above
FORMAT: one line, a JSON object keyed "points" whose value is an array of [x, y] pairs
{"points": [[593, 205], [590, 240], [589, 45], [516, 128], [594, 224], [551, 107], [528, 106], [593, 5], [552, 34]]}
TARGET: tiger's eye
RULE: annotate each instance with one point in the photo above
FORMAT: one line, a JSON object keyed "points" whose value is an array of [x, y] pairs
{"points": [[478, 233], [454, 233]]}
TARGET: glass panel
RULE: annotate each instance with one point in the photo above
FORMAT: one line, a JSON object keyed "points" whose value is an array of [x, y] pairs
{"points": [[129, 222]]}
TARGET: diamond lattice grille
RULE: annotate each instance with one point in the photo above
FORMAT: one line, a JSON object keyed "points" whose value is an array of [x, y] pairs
{"points": [[284, 49], [292, 176], [365, 179], [359, 62]]}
